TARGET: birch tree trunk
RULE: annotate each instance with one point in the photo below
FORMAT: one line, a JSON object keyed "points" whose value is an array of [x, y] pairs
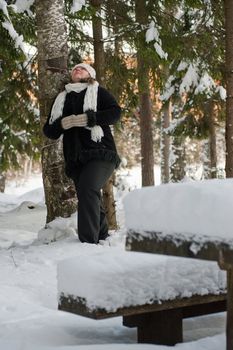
{"points": [[229, 86], [108, 196], [146, 135], [52, 70]]}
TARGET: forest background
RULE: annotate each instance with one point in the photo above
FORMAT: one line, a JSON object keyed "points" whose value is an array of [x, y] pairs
{"points": [[168, 63]]}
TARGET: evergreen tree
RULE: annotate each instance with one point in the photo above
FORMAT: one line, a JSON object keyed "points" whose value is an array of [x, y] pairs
{"points": [[99, 56], [19, 118], [146, 134], [196, 71], [229, 86]]}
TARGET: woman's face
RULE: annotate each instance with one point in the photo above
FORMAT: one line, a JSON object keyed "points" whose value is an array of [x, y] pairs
{"points": [[78, 74]]}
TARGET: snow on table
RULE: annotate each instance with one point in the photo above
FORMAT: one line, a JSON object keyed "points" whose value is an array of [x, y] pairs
{"points": [[119, 279], [198, 209]]}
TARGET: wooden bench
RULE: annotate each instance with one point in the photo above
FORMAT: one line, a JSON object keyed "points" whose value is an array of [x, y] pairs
{"points": [[190, 246], [157, 322], [191, 219]]}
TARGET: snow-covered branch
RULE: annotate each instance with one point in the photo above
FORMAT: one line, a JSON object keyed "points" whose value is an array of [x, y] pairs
{"points": [[152, 34]]}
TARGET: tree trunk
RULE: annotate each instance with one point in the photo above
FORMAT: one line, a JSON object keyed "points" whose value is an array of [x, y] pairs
{"points": [[98, 42], [52, 70], [2, 183], [146, 135], [108, 196], [209, 154], [229, 86], [205, 159], [177, 159], [165, 143], [212, 141]]}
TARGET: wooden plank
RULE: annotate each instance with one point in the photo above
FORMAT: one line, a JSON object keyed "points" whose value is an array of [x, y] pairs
{"points": [[78, 306], [187, 312], [205, 309], [182, 246]]}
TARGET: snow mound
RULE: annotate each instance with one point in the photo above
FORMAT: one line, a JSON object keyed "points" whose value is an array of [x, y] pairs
{"points": [[201, 208], [57, 229], [26, 206], [9, 239], [122, 279], [7, 202], [36, 196]]}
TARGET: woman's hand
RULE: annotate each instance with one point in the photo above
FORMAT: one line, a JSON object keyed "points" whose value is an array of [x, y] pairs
{"points": [[71, 121]]}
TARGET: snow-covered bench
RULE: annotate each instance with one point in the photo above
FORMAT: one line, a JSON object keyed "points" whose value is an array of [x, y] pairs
{"points": [[191, 220], [188, 220], [153, 293]]}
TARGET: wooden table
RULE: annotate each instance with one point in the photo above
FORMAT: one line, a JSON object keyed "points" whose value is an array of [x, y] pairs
{"points": [[189, 246]]}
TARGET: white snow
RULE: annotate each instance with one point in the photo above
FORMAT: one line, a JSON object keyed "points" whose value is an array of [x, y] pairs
{"points": [[195, 78], [182, 66], [58, 229], [206, 84], [190, 78], [222, 92], [168, 89], [3, 7], [7, 24], [141, 278], [152, 34], [18, 39], [23, 5], [77, 5], [28, 299], [199, 208], [174, 124]]}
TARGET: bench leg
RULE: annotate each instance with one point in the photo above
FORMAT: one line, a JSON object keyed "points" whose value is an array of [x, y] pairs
{"points": [[161, 327], [229, 329], [225, 263]]}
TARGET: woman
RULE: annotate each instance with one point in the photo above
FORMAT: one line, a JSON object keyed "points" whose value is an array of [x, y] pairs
{"points": [[83, 113]]}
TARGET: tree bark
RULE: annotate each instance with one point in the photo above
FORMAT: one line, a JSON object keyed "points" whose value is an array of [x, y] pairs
{"points": [[2, 183], [98, 42], [205, 159], [178, 161], [52, 70], [209, 153], [229, 86], [108, 196], [146, 135], [165, 143], [212, 141]]}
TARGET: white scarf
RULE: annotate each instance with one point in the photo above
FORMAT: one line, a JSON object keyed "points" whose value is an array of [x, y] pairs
{"points": [[90, 102]]}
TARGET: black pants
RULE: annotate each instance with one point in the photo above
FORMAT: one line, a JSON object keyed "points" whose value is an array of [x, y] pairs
{"points": [[91, 177]]}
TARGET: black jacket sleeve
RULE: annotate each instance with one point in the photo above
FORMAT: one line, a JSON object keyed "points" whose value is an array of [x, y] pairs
{"points": [[108, 111], [54, 130]]}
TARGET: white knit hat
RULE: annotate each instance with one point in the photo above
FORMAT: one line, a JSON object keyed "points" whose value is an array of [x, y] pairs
{"points": [[88, 68]]}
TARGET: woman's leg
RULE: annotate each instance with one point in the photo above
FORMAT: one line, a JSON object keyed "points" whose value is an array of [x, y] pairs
{"points": [[92, 224]]}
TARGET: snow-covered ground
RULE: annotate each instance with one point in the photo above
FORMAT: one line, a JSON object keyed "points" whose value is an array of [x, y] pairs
{"points": [[29, 319]]}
